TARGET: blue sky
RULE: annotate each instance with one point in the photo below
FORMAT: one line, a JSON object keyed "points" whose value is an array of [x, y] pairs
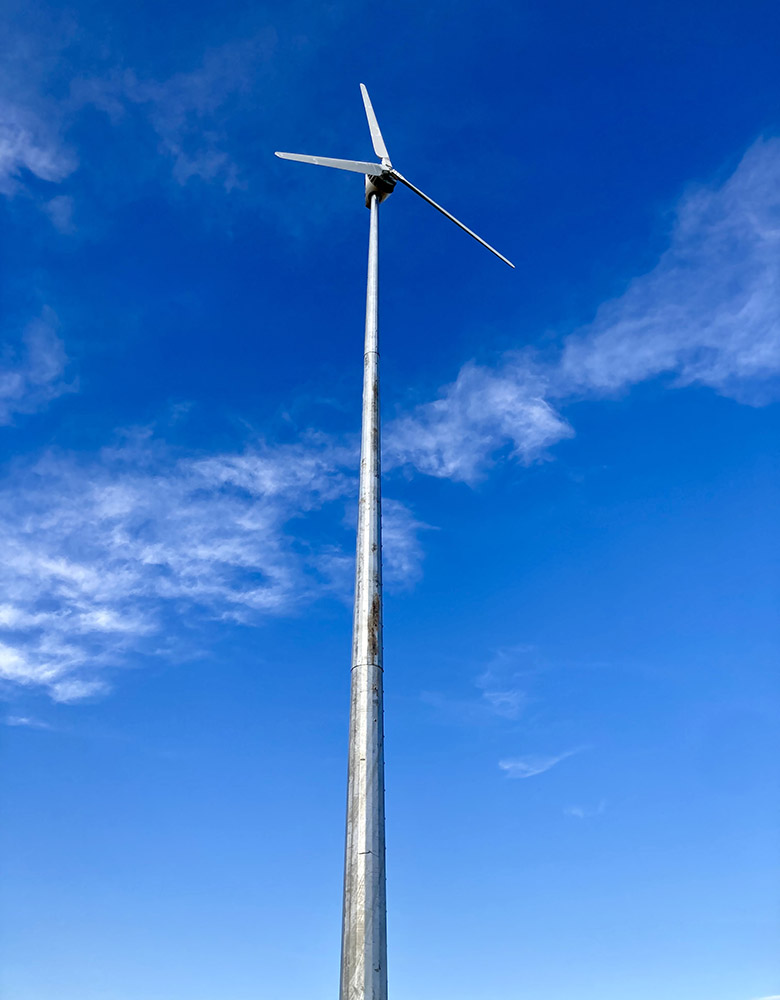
{"points": [[580, 475]]}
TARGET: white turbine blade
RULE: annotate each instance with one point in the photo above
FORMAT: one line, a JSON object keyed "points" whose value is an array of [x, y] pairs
{"points": [[452, 218], [373, 169], [376, 136]]}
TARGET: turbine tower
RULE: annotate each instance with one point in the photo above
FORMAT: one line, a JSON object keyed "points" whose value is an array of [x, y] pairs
{"points": [[364, 921]]}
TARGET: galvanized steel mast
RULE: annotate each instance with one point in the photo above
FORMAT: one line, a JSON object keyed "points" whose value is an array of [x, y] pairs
{"points": [[364, 923]]}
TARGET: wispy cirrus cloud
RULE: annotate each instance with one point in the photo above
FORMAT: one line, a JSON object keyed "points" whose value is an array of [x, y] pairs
{"points": [[193, 115], [33, 374], [189, 112], [505, 681], [707, 314], [31, 141], [33, 121], [105, 556], [26, 722], [586, 812], [503, 691], [532, 764], [506, 702]]}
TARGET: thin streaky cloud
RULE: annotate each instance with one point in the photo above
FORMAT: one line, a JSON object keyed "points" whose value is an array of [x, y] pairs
{"points": [[502, 697], [26, 721], [531, 765], [586, 812], [503, 682], [508, 703]]}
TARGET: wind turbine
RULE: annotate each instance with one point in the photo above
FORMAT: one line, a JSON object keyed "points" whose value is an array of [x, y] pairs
{"points": [[364, 921]]}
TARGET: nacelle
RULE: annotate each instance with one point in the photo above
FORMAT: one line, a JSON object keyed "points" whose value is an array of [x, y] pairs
{"points": [[382, 186]]}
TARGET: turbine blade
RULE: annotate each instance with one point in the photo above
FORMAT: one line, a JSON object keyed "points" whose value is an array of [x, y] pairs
{"points": [[376, 136], [373, 169], [452, 218]]}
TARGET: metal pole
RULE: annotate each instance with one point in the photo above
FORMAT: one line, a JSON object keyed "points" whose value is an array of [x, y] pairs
{"points": [[364, 927]]}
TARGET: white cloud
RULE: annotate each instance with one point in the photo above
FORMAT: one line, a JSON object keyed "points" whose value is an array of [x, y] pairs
{"points": [[707, 314], [104, 557], [32, 377], [483, 411], [26, 721], [506, 702], [72, 689], [30, 140], [501, 695], [531, 765], [586, 812], [60, 211], [503, 683], [32, 119], [401, 548]]}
